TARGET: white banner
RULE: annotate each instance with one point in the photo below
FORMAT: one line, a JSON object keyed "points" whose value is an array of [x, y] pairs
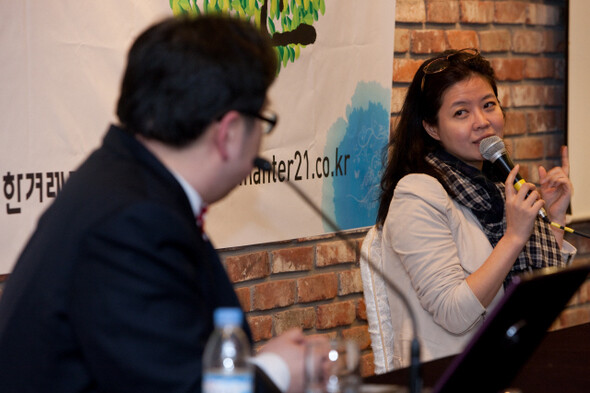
{"points": [[60, 72]]}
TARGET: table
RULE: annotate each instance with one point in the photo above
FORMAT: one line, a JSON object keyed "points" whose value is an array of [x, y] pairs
{"points": [[561, 363]]}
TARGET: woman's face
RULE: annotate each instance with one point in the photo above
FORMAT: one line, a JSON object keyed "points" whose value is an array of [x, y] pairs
{"points": [[469, 113]]}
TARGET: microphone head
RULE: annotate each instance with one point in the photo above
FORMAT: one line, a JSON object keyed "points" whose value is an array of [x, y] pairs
{"points": [[491, 148], [262, 164]]}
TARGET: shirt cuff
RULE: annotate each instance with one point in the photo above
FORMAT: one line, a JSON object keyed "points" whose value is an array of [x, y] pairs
{"points": [[275, 368], [568, 252]]}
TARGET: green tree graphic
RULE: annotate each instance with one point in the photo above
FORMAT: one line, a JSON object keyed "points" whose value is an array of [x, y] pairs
{"points": [[289, 23]]}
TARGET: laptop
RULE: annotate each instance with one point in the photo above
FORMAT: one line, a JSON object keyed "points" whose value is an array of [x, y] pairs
{"points": [[512, 331]]}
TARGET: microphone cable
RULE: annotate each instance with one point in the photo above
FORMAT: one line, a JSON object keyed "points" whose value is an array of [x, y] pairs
{"points": [[494, 150], [415, 383], [566, 229]]}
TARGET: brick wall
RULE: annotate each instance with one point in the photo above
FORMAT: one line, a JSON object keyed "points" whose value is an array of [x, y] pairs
{"points": [[315, 283], [312, 283]]}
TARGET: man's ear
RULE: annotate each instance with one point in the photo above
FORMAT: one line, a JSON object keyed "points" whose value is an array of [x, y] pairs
{"points": [[431, 130], [226, 134]]}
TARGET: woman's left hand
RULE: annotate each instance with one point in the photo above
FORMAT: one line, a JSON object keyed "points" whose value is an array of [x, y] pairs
{"points": [[556, 188]]}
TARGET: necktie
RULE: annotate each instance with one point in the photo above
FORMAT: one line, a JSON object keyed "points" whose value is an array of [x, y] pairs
{"points": [[201, 221]]}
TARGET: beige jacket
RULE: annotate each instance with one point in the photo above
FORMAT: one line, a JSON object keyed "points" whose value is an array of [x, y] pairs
{"points": [[429, 245]]}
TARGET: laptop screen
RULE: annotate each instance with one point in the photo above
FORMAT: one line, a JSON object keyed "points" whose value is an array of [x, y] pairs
{"points": [[512, 330]]}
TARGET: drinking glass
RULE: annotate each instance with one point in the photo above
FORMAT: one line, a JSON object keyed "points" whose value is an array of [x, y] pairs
{"points": [[332, 366]]}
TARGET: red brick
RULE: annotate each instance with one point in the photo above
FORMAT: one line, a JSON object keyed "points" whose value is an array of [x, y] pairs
{"points": [[510, 12], [529, 148], [494, 41], [459, 39], [405, 69], [350, 282], [292, 259], [412, 11], [359, 334], [442, 12], [317, 287], [327, 336], [361, 310], [398, 95], [541, 14], [401, 43], [554, 95], [508, 69], [509, 142], [555, 41], [244, 298], [334, 253], [528, 41], [367, 365], [542, 120], [303, 318], [335, 314], [427, 41], [477, 11], [261, 327], [553, 145], [516, 123], [359, 244], [539, 67], [274, 294], [528, 95], [505, 95], [529, 172], [247, 266]]}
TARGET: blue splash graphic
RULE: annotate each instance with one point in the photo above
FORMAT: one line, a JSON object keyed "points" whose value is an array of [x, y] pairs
{"points": [[352, 198]]}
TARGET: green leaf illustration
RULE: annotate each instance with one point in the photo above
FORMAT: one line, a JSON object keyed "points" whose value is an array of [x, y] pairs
{"points": [[289, 23]]}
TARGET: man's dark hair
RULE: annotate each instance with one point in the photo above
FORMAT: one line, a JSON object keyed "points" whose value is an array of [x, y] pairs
{"points": [[184, 73]]}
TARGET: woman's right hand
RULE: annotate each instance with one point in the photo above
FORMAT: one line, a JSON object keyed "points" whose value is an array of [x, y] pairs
{"points": [[521, 212], [522, 207]]}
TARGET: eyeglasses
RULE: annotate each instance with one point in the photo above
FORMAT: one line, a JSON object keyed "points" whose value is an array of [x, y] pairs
{"points": [[269, 118], [442, 63]]}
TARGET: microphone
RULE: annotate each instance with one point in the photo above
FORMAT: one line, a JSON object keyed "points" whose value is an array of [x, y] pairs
{"points": [[415, 377], [493, 149]]}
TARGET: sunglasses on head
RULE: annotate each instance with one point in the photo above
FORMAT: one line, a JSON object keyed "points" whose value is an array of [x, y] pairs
{"points": [[442, 63]]}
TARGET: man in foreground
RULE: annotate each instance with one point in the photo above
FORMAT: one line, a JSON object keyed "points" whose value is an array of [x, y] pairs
{"points": [[115, 290]]}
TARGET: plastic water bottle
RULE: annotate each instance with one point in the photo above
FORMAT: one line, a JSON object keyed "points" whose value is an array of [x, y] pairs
{"points": [[225, 362]]}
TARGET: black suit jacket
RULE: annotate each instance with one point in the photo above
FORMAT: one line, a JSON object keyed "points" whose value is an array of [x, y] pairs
{"points": [[115, 291]]}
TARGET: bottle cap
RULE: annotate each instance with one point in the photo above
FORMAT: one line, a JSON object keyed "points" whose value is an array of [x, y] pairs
{"points": [[225, 316]]}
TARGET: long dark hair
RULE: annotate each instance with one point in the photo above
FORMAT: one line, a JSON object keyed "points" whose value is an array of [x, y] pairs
{"points": [[410, 142]]}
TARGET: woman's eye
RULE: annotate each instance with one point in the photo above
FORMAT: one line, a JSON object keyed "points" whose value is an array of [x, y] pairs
{"points": [[490, 104], [460, 112]]}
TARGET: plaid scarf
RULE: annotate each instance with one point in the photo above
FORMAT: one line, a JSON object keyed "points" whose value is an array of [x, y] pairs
{"points": [[472, 189]]}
